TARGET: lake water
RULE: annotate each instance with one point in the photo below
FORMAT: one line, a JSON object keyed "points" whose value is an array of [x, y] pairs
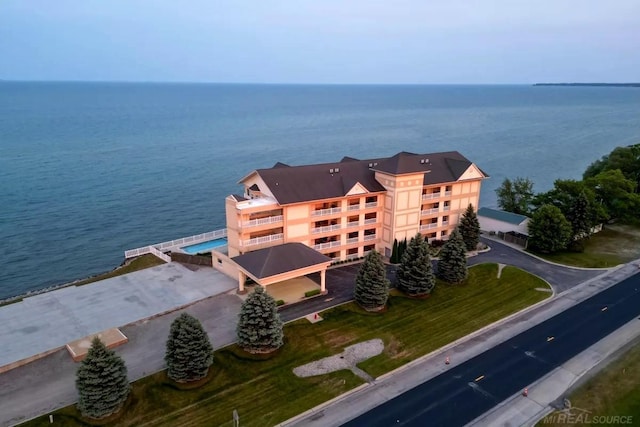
{"points": [[88, 170]]}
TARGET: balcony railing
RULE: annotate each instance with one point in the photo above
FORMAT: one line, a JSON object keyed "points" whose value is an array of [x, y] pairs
{"points": [[352, 256], [354, 207], [352, 240], [428, 226], [370, 237], [430, 196], [321, 212], [371, 220], [447, 193], [326, 228], [446, 208], [263, 239], [371, 205], [262, 221], [327, 245], [429, 211], [445, 223], [353, 224]]}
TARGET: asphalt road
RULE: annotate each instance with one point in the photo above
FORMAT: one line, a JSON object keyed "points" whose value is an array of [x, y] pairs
{"points": [[465, 392]]}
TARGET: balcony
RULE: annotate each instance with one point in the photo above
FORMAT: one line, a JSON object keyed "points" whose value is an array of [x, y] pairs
{"points": [[262, 221], [322, 212], [352, 240], [429, 211], [447, 193], [325, 228], [370, 237], [445, 223], [352, 257], [354, 207], [371, 205], [430, 196], [428, 226], [446, 208], [263, 239], [353, 224], [371, 221], [327, 245]]}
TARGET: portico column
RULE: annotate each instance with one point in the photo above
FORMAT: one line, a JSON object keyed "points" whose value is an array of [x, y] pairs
{"points": [[241, 279], [322, 281]]}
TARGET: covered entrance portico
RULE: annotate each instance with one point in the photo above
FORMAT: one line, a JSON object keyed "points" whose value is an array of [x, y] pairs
{"points": [[280, 263]]}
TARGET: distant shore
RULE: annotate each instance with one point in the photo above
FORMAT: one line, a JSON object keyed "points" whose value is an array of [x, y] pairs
{"points": [[590, 84]]}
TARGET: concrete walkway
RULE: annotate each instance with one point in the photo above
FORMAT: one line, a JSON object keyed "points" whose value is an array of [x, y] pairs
{"points": [[368, 396], [48, 321]]}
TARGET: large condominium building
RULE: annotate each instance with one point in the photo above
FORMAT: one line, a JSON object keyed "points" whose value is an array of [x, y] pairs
{"points": [[297, 219]]}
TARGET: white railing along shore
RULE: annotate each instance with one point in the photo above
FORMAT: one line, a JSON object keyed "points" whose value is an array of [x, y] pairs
{"points": [[191, 240]]}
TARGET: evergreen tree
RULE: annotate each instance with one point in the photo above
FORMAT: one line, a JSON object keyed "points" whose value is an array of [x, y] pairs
{"points": [[452, 266], [415, 274], [189, 352], [470, 228], [402, 246], [259, 327], [101, 381], [372, 285], [394, 252], [578, 216], [549, 230]]}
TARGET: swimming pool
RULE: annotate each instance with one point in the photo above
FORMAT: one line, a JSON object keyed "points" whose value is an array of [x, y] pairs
{"points": [[205, 246]]}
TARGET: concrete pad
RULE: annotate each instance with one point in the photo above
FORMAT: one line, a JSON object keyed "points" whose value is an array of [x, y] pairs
{"points": [[292, 290], [111, 338], [48, 321], [313, 318]]}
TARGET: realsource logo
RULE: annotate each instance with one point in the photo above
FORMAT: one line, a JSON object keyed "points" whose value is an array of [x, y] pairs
{"points": [[582, 416]]}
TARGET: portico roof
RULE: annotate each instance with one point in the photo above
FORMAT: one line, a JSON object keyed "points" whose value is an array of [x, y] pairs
{"points": [[280, 259]]}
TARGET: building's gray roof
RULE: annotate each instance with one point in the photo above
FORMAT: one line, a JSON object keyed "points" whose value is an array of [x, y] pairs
{"points": [[509, 217], [279, 259], [297, 184]]}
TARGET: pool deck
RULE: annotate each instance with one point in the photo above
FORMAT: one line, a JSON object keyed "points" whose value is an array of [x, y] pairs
{"points": [[44, 323]]}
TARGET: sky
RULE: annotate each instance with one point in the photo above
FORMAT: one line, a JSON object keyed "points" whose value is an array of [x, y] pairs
{"points": [[321, 41]]}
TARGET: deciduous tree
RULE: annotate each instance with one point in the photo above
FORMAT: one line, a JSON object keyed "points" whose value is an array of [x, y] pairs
{"points": [[259, 329], [515, 196], [470, 228], [415, 274], [452, 264], [101, 381], [189, 352], [549, 230], [372, 285]]}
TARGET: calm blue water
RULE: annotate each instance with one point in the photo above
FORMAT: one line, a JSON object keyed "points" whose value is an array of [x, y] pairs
{"points": [[205, 246], [88, 170]]}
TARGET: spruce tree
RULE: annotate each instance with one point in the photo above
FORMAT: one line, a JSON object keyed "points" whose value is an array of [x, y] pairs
{"points": [[470, 228], [452, 266], [189, 352], [415, 274], [259, 327], [372, 285], [101, 381]]}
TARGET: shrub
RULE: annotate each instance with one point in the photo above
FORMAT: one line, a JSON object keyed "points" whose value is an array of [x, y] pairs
{"points": [[280, 302], [312, 293]]}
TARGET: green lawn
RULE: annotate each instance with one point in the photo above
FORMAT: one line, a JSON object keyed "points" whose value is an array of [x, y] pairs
{"points": [[614, 391], [614, 245], [267, 392]]}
